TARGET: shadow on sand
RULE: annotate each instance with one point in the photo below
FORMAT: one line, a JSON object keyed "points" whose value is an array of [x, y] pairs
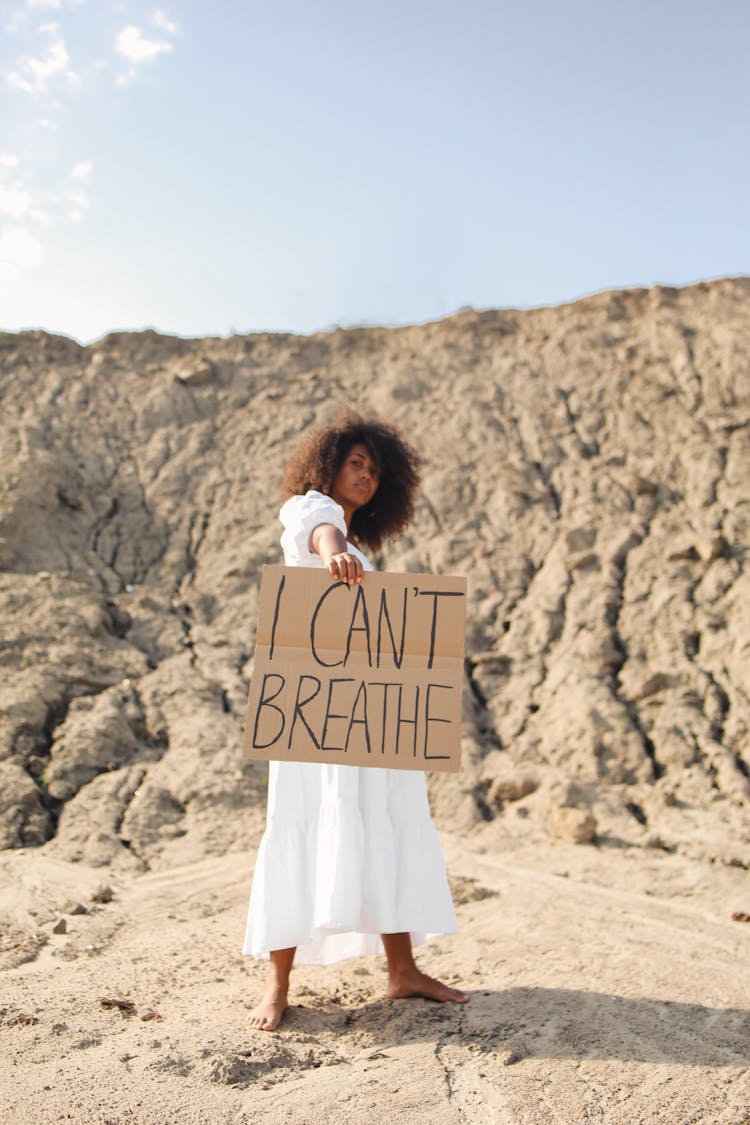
{"points": [[546, 1023]]}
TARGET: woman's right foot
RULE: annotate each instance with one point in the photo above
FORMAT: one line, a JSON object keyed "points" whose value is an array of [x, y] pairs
{"points": [[409, 982], [266, 1016]]}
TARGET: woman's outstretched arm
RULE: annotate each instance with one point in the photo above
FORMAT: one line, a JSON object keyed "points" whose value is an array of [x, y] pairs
{"points": [[328, 542]]}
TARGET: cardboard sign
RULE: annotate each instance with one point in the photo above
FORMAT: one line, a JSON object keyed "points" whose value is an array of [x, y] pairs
{"points": [[367, 675]]}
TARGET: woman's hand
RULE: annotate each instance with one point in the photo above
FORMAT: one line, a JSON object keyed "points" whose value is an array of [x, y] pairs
{"points": [[345, 567], [328, 542]]}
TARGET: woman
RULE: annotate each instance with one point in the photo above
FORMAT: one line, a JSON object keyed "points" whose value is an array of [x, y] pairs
{"points": [[350, 862]]}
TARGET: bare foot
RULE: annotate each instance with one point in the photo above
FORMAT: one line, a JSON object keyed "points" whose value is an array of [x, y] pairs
{"points": [[266, 1016], [412, 982]]}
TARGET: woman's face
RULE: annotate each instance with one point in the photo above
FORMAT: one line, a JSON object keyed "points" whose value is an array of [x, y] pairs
{"points": [[357, 479]]}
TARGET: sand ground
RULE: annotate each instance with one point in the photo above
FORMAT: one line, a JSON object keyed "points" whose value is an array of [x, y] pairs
{"points": [[607, 985]]}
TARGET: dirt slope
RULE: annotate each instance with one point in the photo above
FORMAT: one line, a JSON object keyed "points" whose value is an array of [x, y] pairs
{"points": [[587, 466]]}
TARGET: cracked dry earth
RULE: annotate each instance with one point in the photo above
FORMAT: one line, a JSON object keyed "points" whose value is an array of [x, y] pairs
{"points": [[587, 467]]}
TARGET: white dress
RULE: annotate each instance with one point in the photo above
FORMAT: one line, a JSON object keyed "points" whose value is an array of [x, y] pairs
{"points": [[348, 852]]}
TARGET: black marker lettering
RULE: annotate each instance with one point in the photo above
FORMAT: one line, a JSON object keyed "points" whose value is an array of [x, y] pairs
{"points": [[276, 615], [428, 718], [314, 618], [267, 701], [330, 714], [299, 703], [383, 613], [361, 693], [407, 722], [385, 686], [437, 594], [360, 600]]}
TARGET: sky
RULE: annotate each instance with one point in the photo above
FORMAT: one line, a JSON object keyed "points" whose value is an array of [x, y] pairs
{"points": [[205, 169]]}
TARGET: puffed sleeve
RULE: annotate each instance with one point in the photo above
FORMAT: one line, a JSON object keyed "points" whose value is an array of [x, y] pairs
{"points": [[300, 515]]}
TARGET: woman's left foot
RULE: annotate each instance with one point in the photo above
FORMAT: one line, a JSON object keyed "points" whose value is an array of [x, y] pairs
{"points": [[412, 982], [266, 1016]]}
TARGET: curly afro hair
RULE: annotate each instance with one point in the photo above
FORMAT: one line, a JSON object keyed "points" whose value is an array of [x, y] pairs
{"points": [[316, 462]]}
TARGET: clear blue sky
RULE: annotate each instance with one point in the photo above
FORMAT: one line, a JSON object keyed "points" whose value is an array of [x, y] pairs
{"points": [[202, 168]]}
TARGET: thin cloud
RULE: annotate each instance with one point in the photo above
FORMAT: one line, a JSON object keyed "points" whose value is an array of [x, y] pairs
{"points": [[136, 48], [14, 201], [46, 188], [19, 249], [79, 199], [40, 216], [22, 202], [36, 75], [160, 19]]}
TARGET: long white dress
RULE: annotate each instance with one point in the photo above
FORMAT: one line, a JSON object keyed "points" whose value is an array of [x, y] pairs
{"points": [[348, 852]]}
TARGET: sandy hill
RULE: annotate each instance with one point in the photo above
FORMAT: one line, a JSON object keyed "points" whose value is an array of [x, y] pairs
{"points": [[587, 466]]}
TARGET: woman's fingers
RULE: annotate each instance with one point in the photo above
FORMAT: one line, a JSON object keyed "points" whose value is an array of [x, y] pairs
{"points": [[346, 568]]}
